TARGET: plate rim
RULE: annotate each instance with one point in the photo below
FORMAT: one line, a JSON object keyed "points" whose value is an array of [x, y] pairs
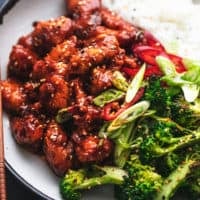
{"points": [[25, 183]]}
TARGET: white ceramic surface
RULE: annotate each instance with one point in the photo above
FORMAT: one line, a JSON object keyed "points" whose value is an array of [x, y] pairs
{"points": [[28, 167]]}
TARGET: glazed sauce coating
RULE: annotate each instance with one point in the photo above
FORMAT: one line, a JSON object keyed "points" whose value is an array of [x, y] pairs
{"points": [[64, 63]]}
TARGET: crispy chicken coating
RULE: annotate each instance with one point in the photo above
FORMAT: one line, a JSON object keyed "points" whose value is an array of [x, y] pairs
{"points": [[43, 68], [58, 149], [79, 7], [93, 149], [100, 80], [86, 116], [85, 14], [28, 131], [65, 63], [63, 52], [48, 34], [54, 93], [126, 31], [100, 49], [13, 96], [26, 41], [21, 62]]}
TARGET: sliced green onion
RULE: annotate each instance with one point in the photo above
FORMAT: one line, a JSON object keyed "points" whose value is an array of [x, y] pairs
{"points": [[166, 66], [135, 84], [119, 81], [190, 91], [129, 115], [63, 116], [108, 96], [190, 64]]}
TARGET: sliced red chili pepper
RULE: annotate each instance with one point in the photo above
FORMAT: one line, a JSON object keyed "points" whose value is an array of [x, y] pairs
{"points": [[150, 71], [153, 41], [130, 71], [147, 54], [178, 61], [112, 110]]}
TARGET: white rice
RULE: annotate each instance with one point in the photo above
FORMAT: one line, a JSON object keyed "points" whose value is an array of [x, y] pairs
{"points": [[174, 22]]}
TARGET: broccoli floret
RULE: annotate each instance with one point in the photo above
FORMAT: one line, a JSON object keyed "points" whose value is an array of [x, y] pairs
{"points": [[193, 185], [169, 163], [77, 180], [185, 113], [165, 136], [142, 182], [159, 97], [145, 183], [176, 179]]}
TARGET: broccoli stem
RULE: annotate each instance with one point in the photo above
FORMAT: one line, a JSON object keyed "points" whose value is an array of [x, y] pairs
{"points": [[113, 175], [181, 142], [172, 182]]}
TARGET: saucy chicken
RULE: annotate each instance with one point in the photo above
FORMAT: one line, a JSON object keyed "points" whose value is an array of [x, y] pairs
{"points": [[63, 64]]}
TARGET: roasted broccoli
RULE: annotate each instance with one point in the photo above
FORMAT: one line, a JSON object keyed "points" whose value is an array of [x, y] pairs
{"points": [[185, 113], [144, 183], [165, 136], [158, 96], [77, 180]]}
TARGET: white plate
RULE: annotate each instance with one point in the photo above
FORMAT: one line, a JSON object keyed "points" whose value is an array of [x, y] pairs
{"points": [[29, 168]]}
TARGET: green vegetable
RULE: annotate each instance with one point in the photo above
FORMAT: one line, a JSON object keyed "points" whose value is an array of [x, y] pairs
{"points": [[145, 183], [142, 182], [129, 115], [108, 96], [176, 178], [135, 84], [63, 116], [119, 81], [159, 97], [167, 67], [187, 81], [193, 73], [76, 181], [185, 113], [164, 137]]}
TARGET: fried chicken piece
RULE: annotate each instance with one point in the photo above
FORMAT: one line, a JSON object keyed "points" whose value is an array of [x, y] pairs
{"points": [[26, 41], [28, 131], [100, 80], [13, 96], [31, 90], [48, 34], [126, 31], [79, 7], [93, 149], [54, 93], [86, 116], [101, 49], [85, 14], [130, 61], [58, 149], [42, 69], [21, 62], [63, 52]]}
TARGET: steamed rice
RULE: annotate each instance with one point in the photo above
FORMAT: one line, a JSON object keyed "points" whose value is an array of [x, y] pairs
{"points": [[175, 23]]}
